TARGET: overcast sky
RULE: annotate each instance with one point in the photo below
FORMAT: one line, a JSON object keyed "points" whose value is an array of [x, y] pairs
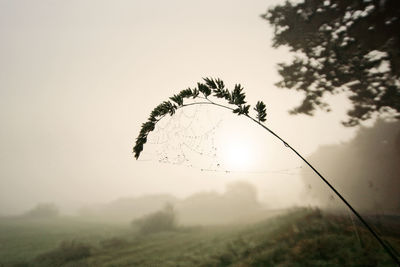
{"points": [[77, 79]]}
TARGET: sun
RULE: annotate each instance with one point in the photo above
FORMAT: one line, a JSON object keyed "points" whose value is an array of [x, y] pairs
{"points": [[238, 156], [237, 151]]}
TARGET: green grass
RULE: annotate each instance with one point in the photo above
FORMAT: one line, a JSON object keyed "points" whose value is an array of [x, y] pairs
{"points": [[303, 237], [22, 240]]}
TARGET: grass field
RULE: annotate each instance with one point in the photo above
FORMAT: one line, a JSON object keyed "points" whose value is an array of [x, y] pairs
{"points": [[302, 237]]}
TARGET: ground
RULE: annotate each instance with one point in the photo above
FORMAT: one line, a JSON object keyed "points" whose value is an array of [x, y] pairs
{"points": [[299, 237]]}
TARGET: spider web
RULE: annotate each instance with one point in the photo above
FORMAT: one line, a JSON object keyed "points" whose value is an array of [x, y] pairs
{"points": [[189, 138]]}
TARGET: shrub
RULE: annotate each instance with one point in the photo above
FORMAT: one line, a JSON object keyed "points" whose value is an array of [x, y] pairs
{"points": [[163, 220], [67, 251]]}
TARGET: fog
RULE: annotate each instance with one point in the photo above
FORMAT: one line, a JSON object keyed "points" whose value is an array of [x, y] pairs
{"points": [[239, 203], [364, 169], [78, 78]]}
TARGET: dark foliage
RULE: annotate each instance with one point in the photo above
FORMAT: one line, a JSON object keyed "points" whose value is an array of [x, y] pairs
{"points": [[261, 111], [341, 46]]}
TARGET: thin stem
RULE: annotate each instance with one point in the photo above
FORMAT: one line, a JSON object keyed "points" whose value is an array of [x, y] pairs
{"points": [[205, 103], [194, 103], [383, 244]]}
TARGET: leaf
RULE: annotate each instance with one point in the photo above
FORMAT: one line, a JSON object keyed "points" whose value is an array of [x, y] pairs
{"points": [[210, 83], [237, 96], [218, 87], [242, 109], [186, 93], [222, 93], [161, 109], [152, 118], [171, 108], [245, 109], [204, 89], [220, 84], [137, 149], [177, 99], [195, 93], [261, 111], [214, 83], [148, 126]]}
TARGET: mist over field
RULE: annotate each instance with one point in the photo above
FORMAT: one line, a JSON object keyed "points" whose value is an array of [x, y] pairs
{"points": [[199, 133], [79, 78]]}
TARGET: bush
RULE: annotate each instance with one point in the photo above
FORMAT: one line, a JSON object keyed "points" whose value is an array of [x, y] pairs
{"points": [[163, 220], [43, 211], [67, 251]]}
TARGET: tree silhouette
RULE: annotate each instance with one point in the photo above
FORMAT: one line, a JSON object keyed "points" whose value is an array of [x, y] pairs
{"points": [[341, 46], [237, 104]]}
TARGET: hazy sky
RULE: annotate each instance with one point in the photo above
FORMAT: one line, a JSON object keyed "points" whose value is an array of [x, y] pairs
{"points": [[77, 79]]}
